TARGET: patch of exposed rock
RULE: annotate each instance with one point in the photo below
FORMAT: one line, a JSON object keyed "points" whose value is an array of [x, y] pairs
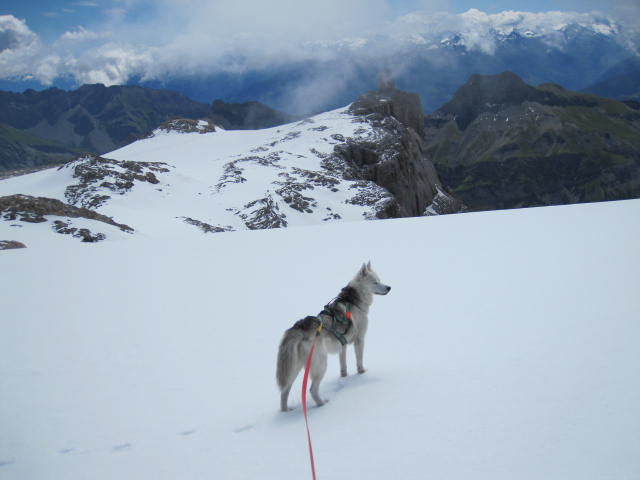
{"points": [[11, 244], [206, 227], [25, 208], [263, 213], [84, 234], [96, 174], [187, 125]]}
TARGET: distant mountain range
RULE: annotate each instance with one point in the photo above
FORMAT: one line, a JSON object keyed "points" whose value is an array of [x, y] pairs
{"points": [[51, 126], [621, 82], [500, 143], [431, 55]]}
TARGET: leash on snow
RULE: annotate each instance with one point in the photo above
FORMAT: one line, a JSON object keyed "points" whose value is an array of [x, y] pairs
{"points": [[305, 378], [304, 399]]}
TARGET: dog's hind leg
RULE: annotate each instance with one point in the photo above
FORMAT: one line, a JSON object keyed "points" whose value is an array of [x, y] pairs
{"points": [[289, 364], [358, 346], [343, 361], [318, 369], [284, 397]]}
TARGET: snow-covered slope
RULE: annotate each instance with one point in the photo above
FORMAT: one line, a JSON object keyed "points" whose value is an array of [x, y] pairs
{"points": [[508, 348], [221, 180]]}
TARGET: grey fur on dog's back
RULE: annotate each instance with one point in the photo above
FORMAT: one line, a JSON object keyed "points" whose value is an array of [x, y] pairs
{"points": [[355, 298]]}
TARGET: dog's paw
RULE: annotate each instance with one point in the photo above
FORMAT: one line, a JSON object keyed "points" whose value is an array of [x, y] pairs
{"points": [[343, 373], [361, 370]]}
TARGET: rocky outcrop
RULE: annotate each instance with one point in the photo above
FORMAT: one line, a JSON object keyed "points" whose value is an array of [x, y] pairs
{"points": [[25, 208], [11, 244], [206, 227], [95, 175], [388, 101], [186, 125], [395, 158], [500, 143]]}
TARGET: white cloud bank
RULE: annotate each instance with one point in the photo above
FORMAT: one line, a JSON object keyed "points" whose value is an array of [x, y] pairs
{"points": [[195, 37]]}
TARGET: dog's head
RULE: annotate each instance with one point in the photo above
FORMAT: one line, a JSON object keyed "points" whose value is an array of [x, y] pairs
{"points": [[370, 280]]}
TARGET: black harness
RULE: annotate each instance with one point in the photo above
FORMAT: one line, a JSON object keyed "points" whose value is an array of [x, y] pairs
{"points": [[339, 322]]}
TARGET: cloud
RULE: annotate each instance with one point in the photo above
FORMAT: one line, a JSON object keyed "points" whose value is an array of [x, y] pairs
{"points": [[15, 35], [80, 34], [158, 40], [19, 48]]}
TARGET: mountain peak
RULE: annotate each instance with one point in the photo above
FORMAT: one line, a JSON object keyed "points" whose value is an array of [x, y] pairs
{"points": [[484, 93], [390, 101]]}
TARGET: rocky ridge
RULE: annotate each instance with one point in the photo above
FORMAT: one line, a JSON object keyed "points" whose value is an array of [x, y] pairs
{"points": [[396, 159], [500, 143]]}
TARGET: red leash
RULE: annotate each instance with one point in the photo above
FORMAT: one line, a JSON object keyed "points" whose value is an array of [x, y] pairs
{"points": [[304, 400]]}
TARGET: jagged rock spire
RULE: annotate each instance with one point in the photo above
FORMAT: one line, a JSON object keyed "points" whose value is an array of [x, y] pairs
{"points": [[386, 83]]}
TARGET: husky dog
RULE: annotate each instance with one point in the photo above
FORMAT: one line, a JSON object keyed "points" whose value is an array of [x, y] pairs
{"points": [[344, 320]]}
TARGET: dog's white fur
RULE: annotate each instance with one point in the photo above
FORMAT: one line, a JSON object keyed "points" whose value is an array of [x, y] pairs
{"points": [[297, 340]]}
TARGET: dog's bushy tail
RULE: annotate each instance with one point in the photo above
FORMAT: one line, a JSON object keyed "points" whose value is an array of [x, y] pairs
{"points": [[289, 359]]}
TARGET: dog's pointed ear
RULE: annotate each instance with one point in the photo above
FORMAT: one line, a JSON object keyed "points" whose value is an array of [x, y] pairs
{"points": [[363, 270], [369, 266]]}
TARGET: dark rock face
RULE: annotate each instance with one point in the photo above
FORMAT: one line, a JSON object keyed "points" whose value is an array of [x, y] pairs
{"points": [[246, 116], [396, 159], [20, 150], [26, 208], [388, 101], [484, 94], [11, 244], [503, 144]]}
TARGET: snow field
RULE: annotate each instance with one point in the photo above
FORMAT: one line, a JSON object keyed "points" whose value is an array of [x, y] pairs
{"points": [[507, 348]]}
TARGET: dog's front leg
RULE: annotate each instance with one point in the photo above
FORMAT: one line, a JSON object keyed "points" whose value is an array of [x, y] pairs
{"points": [[343, 361], [358, 345]]}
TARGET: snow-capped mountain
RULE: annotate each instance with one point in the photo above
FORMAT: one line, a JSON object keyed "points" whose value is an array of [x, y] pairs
{"points": [[431, 54], [477, 30], [348, 164]]}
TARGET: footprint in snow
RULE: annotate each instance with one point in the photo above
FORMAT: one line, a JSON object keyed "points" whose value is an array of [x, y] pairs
{"points": [[244, 428], [121, 448]]}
